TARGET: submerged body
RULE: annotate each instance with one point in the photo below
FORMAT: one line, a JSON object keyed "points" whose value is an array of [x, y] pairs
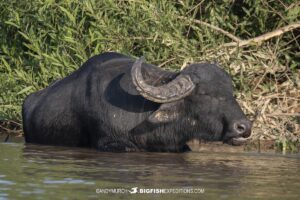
{"points": [[114, 103]]}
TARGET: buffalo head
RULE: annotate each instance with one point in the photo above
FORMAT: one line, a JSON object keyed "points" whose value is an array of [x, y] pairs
{"points": [[199, 100]]}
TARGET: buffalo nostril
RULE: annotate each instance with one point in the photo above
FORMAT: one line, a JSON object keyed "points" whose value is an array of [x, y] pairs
{"points": [[241, 128]]}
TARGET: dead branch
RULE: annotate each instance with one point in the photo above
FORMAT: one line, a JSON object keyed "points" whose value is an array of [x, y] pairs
{"points": [[284, 114], [236, 39], [239, 42], [264, 37]]}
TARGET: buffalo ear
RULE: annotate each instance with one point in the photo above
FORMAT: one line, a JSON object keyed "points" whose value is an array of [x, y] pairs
{"points": [[167, 112]]}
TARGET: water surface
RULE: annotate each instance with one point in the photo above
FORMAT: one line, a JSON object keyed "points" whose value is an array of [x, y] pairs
{"points": [[47, 172]]}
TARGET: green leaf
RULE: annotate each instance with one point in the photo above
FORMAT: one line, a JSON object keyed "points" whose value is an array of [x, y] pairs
{"points": [[293, 13], [70, 16], [25, 90]]}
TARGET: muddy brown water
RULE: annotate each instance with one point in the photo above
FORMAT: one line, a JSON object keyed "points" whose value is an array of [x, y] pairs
{"points": [[49, 172]]}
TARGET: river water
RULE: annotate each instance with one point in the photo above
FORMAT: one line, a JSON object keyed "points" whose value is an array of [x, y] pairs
{"points": [[47, 172]]}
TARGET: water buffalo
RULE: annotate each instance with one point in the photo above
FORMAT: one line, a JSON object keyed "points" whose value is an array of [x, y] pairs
{"points": [[116, 103]]}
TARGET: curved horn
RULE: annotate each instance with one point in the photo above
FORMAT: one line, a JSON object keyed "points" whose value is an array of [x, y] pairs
{"points": [[175, 90]]}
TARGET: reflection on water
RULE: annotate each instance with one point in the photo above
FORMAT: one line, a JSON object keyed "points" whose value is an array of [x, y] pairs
{"points": [[43, 172]]}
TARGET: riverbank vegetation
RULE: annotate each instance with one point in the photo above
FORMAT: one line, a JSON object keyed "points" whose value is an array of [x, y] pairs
{"points": [[256, 41]]}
